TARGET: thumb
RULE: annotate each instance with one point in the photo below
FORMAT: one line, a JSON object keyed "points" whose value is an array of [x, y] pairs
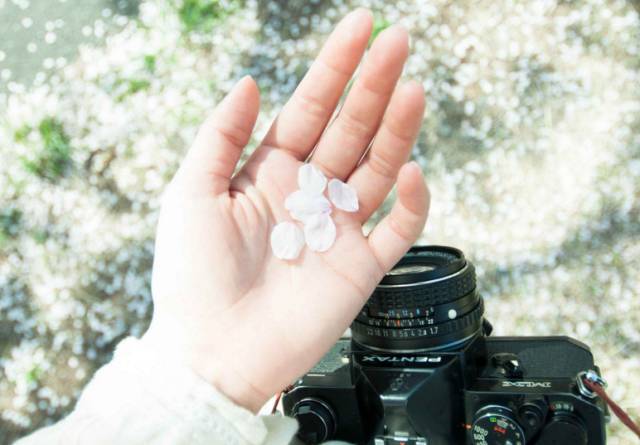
{"points": [[218, 145]]}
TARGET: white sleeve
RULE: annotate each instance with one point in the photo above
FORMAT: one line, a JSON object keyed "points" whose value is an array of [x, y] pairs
{"points": [[141, 397]]}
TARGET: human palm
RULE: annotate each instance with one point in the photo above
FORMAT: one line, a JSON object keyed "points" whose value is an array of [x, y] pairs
{"points": [[246, 321]]}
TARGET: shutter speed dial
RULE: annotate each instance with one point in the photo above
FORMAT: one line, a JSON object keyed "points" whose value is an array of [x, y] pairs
{"points": [[495, 425]]}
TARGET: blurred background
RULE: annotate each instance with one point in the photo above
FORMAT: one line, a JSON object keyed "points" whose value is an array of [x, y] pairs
{"points": [[531, 146]]}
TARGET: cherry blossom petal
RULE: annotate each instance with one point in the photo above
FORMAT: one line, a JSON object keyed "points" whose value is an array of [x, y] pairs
{"points": [[302, 205], [311, 180], [343, 196], [287, 240], [320, 232]]}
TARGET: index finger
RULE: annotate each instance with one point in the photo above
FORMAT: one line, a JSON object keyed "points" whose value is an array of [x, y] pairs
{"points": [[305, 115]]}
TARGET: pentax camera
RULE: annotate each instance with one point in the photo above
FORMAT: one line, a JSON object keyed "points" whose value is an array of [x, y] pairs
{"points": [[422, 369]]}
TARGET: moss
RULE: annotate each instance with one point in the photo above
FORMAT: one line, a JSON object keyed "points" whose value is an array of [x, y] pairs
{"points": [[53, 160]]}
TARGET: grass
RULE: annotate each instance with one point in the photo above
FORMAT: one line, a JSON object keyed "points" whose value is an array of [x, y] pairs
{"points": [[133, 86], [150, 63], [10, 219], [53, 160], [379, 25], [203, 15]]}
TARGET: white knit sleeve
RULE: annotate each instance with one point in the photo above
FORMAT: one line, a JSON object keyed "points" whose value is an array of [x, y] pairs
{"points": [[141, 397]]}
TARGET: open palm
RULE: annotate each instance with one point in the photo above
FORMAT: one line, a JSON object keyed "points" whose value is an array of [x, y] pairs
{"points": [[243, 319]]}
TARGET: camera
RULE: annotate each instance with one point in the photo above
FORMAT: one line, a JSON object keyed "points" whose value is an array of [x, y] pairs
{"points": [[421, 368]]}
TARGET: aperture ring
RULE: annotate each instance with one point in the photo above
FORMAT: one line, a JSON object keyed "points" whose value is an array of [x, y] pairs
{"points": [[440, 343], [363, 331], [419, 316]]}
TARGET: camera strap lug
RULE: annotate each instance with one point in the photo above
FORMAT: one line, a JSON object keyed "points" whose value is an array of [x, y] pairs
{"points": [[590, 384], [594, 378]]}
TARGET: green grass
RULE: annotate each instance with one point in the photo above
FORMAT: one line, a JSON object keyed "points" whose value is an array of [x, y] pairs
{"points": [[150, 63], [203, 15], [53, 159], [135, 85], [34, 374], [10, 220], [379, 25], [22, 133], [40, 236]]}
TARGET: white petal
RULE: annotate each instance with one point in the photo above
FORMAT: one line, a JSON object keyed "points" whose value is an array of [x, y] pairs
{"points": [[302, 205], [343, 196], [311, 180], [287, 240], [320, 232]]}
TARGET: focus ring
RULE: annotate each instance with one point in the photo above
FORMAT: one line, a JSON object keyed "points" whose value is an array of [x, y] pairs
{"points": [[385, 299]]}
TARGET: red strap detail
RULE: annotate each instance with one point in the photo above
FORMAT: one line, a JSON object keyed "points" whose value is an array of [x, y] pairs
{"points": [[275, 404], [284, 391], [617, 410]]}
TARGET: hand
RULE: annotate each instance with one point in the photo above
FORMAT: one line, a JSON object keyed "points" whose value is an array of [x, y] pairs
{"points": [[245, 321]]}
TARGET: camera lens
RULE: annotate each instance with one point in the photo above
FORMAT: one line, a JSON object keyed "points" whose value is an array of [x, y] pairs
{"points": [[428, 301]]}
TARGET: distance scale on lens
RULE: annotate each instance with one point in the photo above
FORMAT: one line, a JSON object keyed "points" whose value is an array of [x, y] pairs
{"points": [[494, 425]]}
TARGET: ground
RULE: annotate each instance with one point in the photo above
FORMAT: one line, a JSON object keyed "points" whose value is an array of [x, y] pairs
{"points": [[530, 144]]}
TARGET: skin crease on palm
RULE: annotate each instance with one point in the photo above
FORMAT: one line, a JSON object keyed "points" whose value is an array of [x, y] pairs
{"points": [[244, 320]]}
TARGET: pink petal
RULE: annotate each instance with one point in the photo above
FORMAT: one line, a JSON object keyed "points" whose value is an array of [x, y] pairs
{"points": [[302, 205], [311, 180], [343, 196], [287, 240], [320, 232]]}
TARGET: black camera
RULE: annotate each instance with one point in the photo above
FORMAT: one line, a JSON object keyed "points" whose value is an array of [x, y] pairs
{"points": [[422, 369]]}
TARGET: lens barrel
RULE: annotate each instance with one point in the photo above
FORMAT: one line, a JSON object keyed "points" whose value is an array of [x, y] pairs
{"points": [[428, 301]]}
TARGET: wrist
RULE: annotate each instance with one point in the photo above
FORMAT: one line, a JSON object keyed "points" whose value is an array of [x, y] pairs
{"points": [[208, 365], [231, 384]]}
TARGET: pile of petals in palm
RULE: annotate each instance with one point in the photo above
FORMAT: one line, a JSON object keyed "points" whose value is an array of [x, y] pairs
{"points": [[310, 207]]}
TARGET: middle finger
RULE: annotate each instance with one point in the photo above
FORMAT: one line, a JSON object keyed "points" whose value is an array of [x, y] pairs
{"points": [[349, 135]]}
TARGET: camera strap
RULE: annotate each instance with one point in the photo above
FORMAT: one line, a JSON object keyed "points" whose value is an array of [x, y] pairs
{"points": [[598, 388]]}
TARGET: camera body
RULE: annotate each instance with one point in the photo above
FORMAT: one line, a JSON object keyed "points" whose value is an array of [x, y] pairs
{"points": [[496, 390], [379, 388]]}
